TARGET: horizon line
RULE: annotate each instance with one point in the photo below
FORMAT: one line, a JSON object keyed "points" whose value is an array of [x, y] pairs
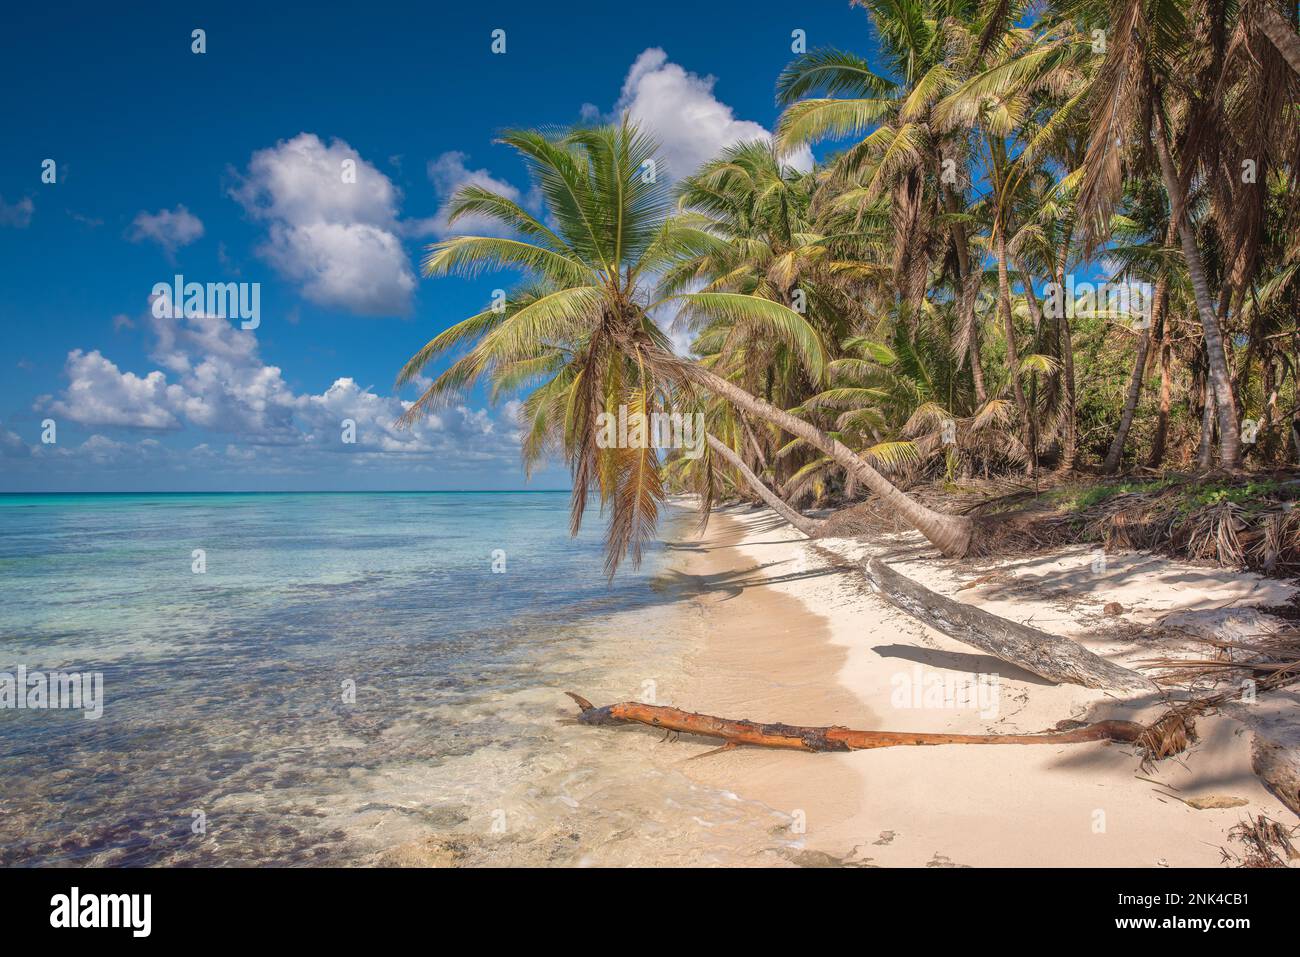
{"points": [[362, 491]]}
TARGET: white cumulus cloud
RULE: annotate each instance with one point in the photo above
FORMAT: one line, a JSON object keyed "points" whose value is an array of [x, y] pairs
{"points": [[99, 393], [212, 378], [692, 125], [169, 228], [331, 224]]}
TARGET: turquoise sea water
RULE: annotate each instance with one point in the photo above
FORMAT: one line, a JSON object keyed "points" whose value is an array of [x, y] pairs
{"points": [[226, 737]]}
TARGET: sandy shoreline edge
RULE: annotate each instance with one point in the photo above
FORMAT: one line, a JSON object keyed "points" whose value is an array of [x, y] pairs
{"points": [[785, 634]]}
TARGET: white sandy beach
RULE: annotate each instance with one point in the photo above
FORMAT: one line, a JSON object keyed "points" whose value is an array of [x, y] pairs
{"points": [[785, 635], [755, 621]]}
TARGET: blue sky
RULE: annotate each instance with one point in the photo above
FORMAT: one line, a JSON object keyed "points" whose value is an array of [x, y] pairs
{"points": [[223, 167]]}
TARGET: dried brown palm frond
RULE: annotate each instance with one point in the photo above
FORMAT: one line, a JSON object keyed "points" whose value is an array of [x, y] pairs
{"points": [[1267, 844], [1242, 669], [1213, 533], [1227, 521], [1264, 662], [1115, 107], [1172, 733], [1255, 93], [1275, 544], [586, 402], [634, 492]]}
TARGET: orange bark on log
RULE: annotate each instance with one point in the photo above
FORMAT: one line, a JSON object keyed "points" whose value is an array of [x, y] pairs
{"points": [[799, 738]]}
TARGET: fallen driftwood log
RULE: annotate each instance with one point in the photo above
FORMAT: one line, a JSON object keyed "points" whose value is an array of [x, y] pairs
{"points": [[1048, 656], [796, 737]]}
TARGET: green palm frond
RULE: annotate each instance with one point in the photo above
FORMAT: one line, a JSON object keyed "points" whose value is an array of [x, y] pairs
{"points": [[465, 330], [813, 120], [846, 397], [470, 255], [559, 316], [1041, 364], [772, 318], [472, 200], [893, 456], [833, 72]]}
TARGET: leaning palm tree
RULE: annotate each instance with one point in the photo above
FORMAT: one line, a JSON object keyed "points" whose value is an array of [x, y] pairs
{"points": [[771, 242], [584, 325], [756, 210], [1281, 34], [578, 322]]}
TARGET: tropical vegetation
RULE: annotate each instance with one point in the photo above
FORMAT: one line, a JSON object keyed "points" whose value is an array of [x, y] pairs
{"points": [[923, 306]]}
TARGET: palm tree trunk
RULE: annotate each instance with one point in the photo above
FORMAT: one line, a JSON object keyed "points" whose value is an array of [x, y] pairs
{"points": [[966, 298], [1035, 310], [1282, 35], [1205, 454], [1116, 452], [1219, 377], [1065, 342], [1162, 419], [1013, 359], [951, 534], [753, 441], [808, 526], [1270, 405], [969, 295]]}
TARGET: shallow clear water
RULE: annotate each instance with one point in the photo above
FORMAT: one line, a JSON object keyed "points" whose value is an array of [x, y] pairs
{"points": [[227, 737]]}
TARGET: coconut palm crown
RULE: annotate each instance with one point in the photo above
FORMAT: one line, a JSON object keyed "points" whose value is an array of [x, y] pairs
{"points": [[578, 334]]}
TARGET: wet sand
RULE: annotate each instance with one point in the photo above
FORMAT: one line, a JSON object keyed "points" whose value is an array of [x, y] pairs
{"points": [[761, 653]]}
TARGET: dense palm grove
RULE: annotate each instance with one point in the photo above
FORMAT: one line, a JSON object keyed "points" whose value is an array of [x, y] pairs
{"points": [[913, 308]]}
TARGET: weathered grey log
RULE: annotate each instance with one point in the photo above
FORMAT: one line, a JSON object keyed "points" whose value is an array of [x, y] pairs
{"points": [[1275, 747], [1048, 656], [808, 526], [1274, 721]]}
